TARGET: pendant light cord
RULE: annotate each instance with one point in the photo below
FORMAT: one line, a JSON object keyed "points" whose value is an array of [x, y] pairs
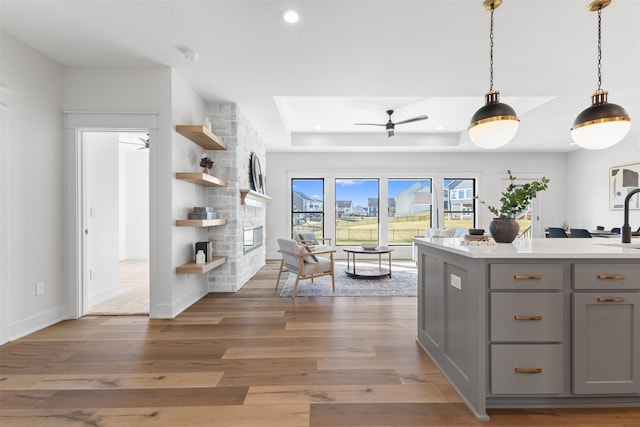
{"points": [[600, 48], [491, 52]]}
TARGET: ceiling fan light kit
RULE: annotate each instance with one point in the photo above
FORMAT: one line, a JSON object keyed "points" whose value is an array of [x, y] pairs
{"points": [[495, 124], [601, 125]]}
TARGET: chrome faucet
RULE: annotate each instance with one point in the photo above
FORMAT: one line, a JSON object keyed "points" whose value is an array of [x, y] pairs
{"points": [[626, 228]]}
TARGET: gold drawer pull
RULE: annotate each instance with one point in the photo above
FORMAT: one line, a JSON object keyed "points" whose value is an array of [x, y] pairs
{"points": [[604, 299], [528, 370], [611, 276], [527, 276], [523, 317]]}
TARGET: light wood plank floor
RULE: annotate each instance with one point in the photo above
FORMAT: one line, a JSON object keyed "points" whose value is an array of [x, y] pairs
{"points": [[248, 359]]}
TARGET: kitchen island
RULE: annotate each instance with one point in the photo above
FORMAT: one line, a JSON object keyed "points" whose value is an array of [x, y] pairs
{"points": [[534, 323]]}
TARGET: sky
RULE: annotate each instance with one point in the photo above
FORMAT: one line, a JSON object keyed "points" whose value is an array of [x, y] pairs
{"points": [[356, 190]]}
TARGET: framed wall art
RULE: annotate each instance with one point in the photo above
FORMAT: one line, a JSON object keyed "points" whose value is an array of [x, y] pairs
{"points": [[623, 179]]}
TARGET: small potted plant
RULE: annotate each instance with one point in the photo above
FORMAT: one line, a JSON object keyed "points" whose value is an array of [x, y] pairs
{"points": [[514, 201], [206, 163]]}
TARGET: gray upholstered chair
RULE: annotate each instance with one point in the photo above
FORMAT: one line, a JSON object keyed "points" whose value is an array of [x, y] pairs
{"points": [[556, 232], [305, 263], [579, 233]]}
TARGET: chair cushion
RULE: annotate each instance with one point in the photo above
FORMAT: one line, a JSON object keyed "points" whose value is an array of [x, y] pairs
{"points": [[322, 266]]}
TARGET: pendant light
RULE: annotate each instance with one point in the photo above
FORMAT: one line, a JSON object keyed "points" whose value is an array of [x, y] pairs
{"points": [[602, 125], [496, 123]]}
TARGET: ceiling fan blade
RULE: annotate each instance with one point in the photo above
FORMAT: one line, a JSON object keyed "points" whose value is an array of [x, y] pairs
{"points": [[132, 143], [415, 119], [370, 124]]}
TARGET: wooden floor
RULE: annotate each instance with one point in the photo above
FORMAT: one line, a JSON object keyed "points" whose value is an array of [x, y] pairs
{"points": [[248, 359]]}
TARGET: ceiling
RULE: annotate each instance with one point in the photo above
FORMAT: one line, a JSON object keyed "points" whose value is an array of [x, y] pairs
{"points": [[304, 86]]}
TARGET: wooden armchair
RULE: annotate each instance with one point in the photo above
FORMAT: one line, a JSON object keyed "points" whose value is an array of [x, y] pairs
{"points": [[305, 263]]}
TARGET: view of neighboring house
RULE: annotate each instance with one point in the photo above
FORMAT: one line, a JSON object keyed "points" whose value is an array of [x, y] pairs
{"points": [[359, 211], [344, 208], [458, 197], [303, 203], [372, 206]]}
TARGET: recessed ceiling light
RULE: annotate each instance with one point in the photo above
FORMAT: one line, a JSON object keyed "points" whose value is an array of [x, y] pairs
{"points": [[440, 128], [290, 16]]}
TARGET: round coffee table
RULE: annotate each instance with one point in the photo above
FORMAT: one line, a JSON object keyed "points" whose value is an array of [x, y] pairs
{"points": [[367, 270]]}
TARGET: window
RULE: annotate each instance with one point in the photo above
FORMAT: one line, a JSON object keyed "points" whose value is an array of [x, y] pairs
{"points": [[410, 207], [357, 211], [307, 205], [459, 204]]}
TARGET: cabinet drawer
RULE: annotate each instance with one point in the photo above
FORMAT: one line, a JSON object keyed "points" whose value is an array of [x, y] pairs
{"points": [[606, 276], [526, 317], [526, 276], [526, 369]]}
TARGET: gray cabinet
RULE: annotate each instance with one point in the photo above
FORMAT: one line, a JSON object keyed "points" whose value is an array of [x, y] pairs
{"points": [[606, 342], [526, 317], [519, 331], [526, 369]]}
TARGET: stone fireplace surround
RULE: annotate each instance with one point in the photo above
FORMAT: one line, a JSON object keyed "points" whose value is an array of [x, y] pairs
{"points": [[233, 164]]}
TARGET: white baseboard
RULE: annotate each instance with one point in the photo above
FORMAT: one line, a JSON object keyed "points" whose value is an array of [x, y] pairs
{"points": [[36, 322]]}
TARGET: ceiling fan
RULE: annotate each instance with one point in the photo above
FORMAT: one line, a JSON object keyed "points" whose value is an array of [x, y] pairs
{"points": [[144, 142], [390, 126]]}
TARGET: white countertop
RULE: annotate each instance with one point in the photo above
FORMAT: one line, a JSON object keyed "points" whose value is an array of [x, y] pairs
{"points": [[540, 248]]}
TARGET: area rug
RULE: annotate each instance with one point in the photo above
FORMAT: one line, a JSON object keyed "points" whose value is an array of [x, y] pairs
{"points": [[401, 284]]}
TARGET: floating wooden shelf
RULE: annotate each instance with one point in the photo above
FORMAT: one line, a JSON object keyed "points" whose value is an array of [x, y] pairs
{"points": [[201, 136], [203, 179], [201, 222], [193, 268], [253, 198]]}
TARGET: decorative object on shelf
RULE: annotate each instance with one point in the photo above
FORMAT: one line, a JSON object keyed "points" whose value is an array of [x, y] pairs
{"points": [[495, 124], [202, 212], [206, 163], [206, 123], [200, 257], [515, 200], [601, 125], [622, 180], [255, 172], [207, 248]]}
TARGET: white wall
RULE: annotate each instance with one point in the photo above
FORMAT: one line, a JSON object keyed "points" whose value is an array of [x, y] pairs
{"points": [[136, 198], [489, 169], [32, 191], [187, 108], [588, 185], [101, 170]]}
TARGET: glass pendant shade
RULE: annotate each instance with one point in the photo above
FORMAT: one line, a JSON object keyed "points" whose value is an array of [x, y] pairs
{"points": [[493, 125], [602, 125]]}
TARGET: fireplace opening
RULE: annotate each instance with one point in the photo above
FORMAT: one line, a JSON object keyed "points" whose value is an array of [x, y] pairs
{"points": [[252, 238]]}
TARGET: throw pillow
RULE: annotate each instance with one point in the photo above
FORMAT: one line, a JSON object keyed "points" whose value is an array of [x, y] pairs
{"points": [[313, 257]]}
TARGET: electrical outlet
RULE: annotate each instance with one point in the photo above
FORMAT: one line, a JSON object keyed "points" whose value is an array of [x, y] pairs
{"points": [[39, 288]]}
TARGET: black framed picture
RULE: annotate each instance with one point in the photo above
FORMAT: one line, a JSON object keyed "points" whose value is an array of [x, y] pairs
{"points": [[623, 179]]}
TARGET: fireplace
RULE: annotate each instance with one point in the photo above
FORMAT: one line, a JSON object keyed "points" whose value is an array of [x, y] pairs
{"points": [[253, 238]]}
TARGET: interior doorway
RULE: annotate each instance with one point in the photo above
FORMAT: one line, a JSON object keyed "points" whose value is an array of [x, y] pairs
{"points": [[115, 211]]}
